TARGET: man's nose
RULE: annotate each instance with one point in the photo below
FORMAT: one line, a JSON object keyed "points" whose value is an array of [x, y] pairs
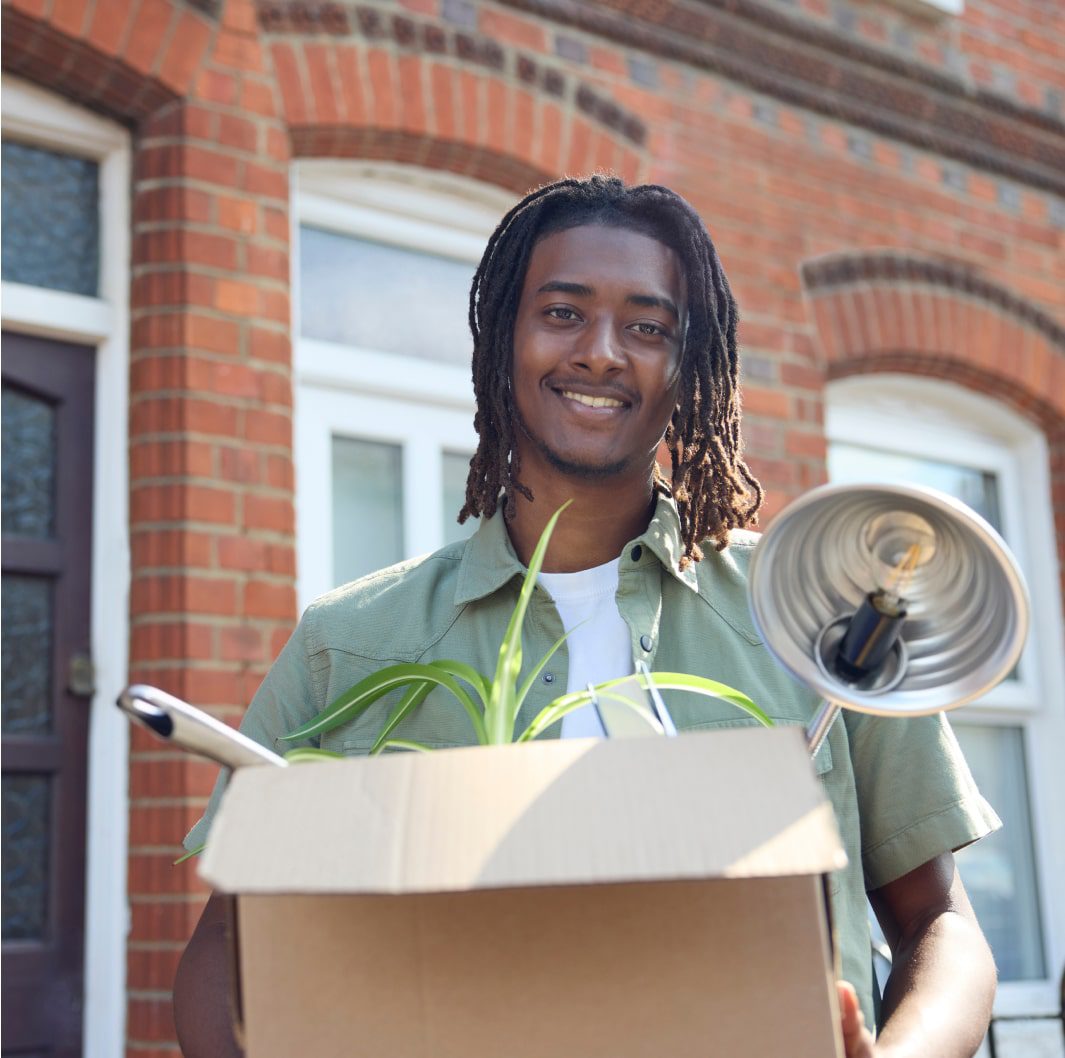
{"points": [[600, 349]]}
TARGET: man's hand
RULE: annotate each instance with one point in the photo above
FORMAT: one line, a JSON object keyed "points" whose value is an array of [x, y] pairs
{"points": [[857, 1039]]}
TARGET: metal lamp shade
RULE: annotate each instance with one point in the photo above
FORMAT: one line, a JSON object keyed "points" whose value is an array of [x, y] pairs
{"points": [[966, 605]]}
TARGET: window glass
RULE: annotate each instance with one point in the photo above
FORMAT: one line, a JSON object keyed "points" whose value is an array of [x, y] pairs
{"points": [[856, 464], [51, 221], [385, 298], [367, 507], [999, 871], [27, 830], [456, 468], [27, 635], [28, 425]]}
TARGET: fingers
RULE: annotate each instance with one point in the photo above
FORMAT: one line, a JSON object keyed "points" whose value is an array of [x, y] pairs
{"points": [[857, 1040]]}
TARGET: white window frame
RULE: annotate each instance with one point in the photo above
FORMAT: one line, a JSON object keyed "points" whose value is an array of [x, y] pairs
{"points": [[958, 426], [930, 7], [422, 405], [32, 115]]}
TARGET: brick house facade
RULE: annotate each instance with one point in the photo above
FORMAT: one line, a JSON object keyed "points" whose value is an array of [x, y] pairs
{"points": [[884, 182]]}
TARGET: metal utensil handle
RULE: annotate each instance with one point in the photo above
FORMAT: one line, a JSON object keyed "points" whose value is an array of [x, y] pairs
{"points": [[658, 706], [190, 728], [819, 725]]}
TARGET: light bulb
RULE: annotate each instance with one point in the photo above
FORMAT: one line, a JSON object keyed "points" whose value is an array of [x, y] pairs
{"points": [[900, 545]]}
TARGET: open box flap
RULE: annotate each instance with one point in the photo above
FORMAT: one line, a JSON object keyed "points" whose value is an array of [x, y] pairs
{"points": [[732, 804]]}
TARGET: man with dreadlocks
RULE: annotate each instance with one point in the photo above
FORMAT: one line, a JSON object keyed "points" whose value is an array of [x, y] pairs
{"points": [[604, 333]]}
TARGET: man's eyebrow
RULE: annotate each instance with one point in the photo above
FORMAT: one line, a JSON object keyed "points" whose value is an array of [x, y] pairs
{"points": [[646, 301], [556, 286], [649, 301]]}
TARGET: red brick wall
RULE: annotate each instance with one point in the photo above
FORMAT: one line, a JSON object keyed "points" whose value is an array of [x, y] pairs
{"points": [[211, 500], [220, 100]]}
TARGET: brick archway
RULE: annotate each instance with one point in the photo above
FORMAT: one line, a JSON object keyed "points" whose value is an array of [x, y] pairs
{"points": [[124, 60], [887, 312], [447, 104]]}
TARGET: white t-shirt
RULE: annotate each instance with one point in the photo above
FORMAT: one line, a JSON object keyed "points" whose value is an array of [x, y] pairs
{"points": [[599, 645]]}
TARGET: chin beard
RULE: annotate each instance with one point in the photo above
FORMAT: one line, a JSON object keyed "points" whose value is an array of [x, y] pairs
{"points": [[570, 467], [586, 471]]}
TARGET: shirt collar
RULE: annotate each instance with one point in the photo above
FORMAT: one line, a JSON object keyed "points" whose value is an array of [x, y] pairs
{"points": [[662, 537], [489, 560]]}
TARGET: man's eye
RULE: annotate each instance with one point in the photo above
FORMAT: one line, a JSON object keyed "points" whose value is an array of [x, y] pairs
{"points": [[560, 312], [651, 329]]}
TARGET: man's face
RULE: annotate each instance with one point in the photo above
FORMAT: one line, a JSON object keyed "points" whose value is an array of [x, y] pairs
{"points": [[597, 350]]}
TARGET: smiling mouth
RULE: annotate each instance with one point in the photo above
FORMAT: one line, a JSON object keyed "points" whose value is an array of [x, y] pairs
{"points": [[591, 402]]}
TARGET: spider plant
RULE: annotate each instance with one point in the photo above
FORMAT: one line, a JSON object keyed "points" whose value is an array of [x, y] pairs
{"points": [[493, 705]]}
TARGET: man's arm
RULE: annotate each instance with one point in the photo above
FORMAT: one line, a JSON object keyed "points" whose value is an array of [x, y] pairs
{"points": [[938, 997], [202, 986]]}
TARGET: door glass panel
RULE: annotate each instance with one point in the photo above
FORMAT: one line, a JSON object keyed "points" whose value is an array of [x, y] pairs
{"points": [[26, 841], [27, 655], [384, 298], [999, 871], [367, 507], [28, 468], [456, 468], [51, 225], [856, 464]]}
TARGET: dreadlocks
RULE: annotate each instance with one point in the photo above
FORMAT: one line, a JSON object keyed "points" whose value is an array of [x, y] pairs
{"points": [[713, 488]]}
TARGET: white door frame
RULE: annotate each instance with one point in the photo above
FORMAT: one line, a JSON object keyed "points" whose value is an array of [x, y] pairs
{"points": [[31, 114]]}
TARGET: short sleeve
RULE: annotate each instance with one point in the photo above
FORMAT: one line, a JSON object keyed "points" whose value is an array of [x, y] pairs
{"points": [[285, 699], [916, 796]]}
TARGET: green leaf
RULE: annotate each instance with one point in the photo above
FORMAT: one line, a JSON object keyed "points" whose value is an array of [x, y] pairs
{"points": [[502, 711], [523, 691], [309, 754], [405, 743], [682, 681], [406, 705], [465, 672], [356, 700], [188, 855], [664, 681], [552, 713]]}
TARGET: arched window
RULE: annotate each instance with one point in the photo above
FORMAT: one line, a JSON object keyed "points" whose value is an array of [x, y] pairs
{"points": [[922, 431], [384, 414]]}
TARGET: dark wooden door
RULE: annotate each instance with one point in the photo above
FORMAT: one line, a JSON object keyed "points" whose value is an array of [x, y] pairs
{"points": [[47, 548]]}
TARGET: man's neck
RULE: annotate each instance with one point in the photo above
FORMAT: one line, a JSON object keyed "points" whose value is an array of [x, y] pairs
{"points": [[603, 517]]}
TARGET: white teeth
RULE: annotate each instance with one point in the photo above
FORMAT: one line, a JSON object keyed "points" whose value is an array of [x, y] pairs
{"points": [[593, 402]]}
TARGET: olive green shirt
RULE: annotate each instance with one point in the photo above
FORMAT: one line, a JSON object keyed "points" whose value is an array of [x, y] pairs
{"points": [[900, 788]]}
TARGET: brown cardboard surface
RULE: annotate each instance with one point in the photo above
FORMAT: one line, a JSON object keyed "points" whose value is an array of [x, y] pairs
{"points": [[737, 803], [729, 969]]}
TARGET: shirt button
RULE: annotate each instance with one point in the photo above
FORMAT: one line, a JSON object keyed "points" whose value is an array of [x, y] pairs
{"points": [[635, 553], [548, 677], [646, 642]]}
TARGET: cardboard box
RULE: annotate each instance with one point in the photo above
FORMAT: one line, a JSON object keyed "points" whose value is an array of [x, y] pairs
{"points": [[631, 899]]}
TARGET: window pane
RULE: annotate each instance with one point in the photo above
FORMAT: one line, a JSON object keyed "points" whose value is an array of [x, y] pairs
{"points": [[856, 464], [29, 460], [51, 219], [27, 655], [26, 841], [999, 872], [367, 507], [385, 298], [456, 470]]}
